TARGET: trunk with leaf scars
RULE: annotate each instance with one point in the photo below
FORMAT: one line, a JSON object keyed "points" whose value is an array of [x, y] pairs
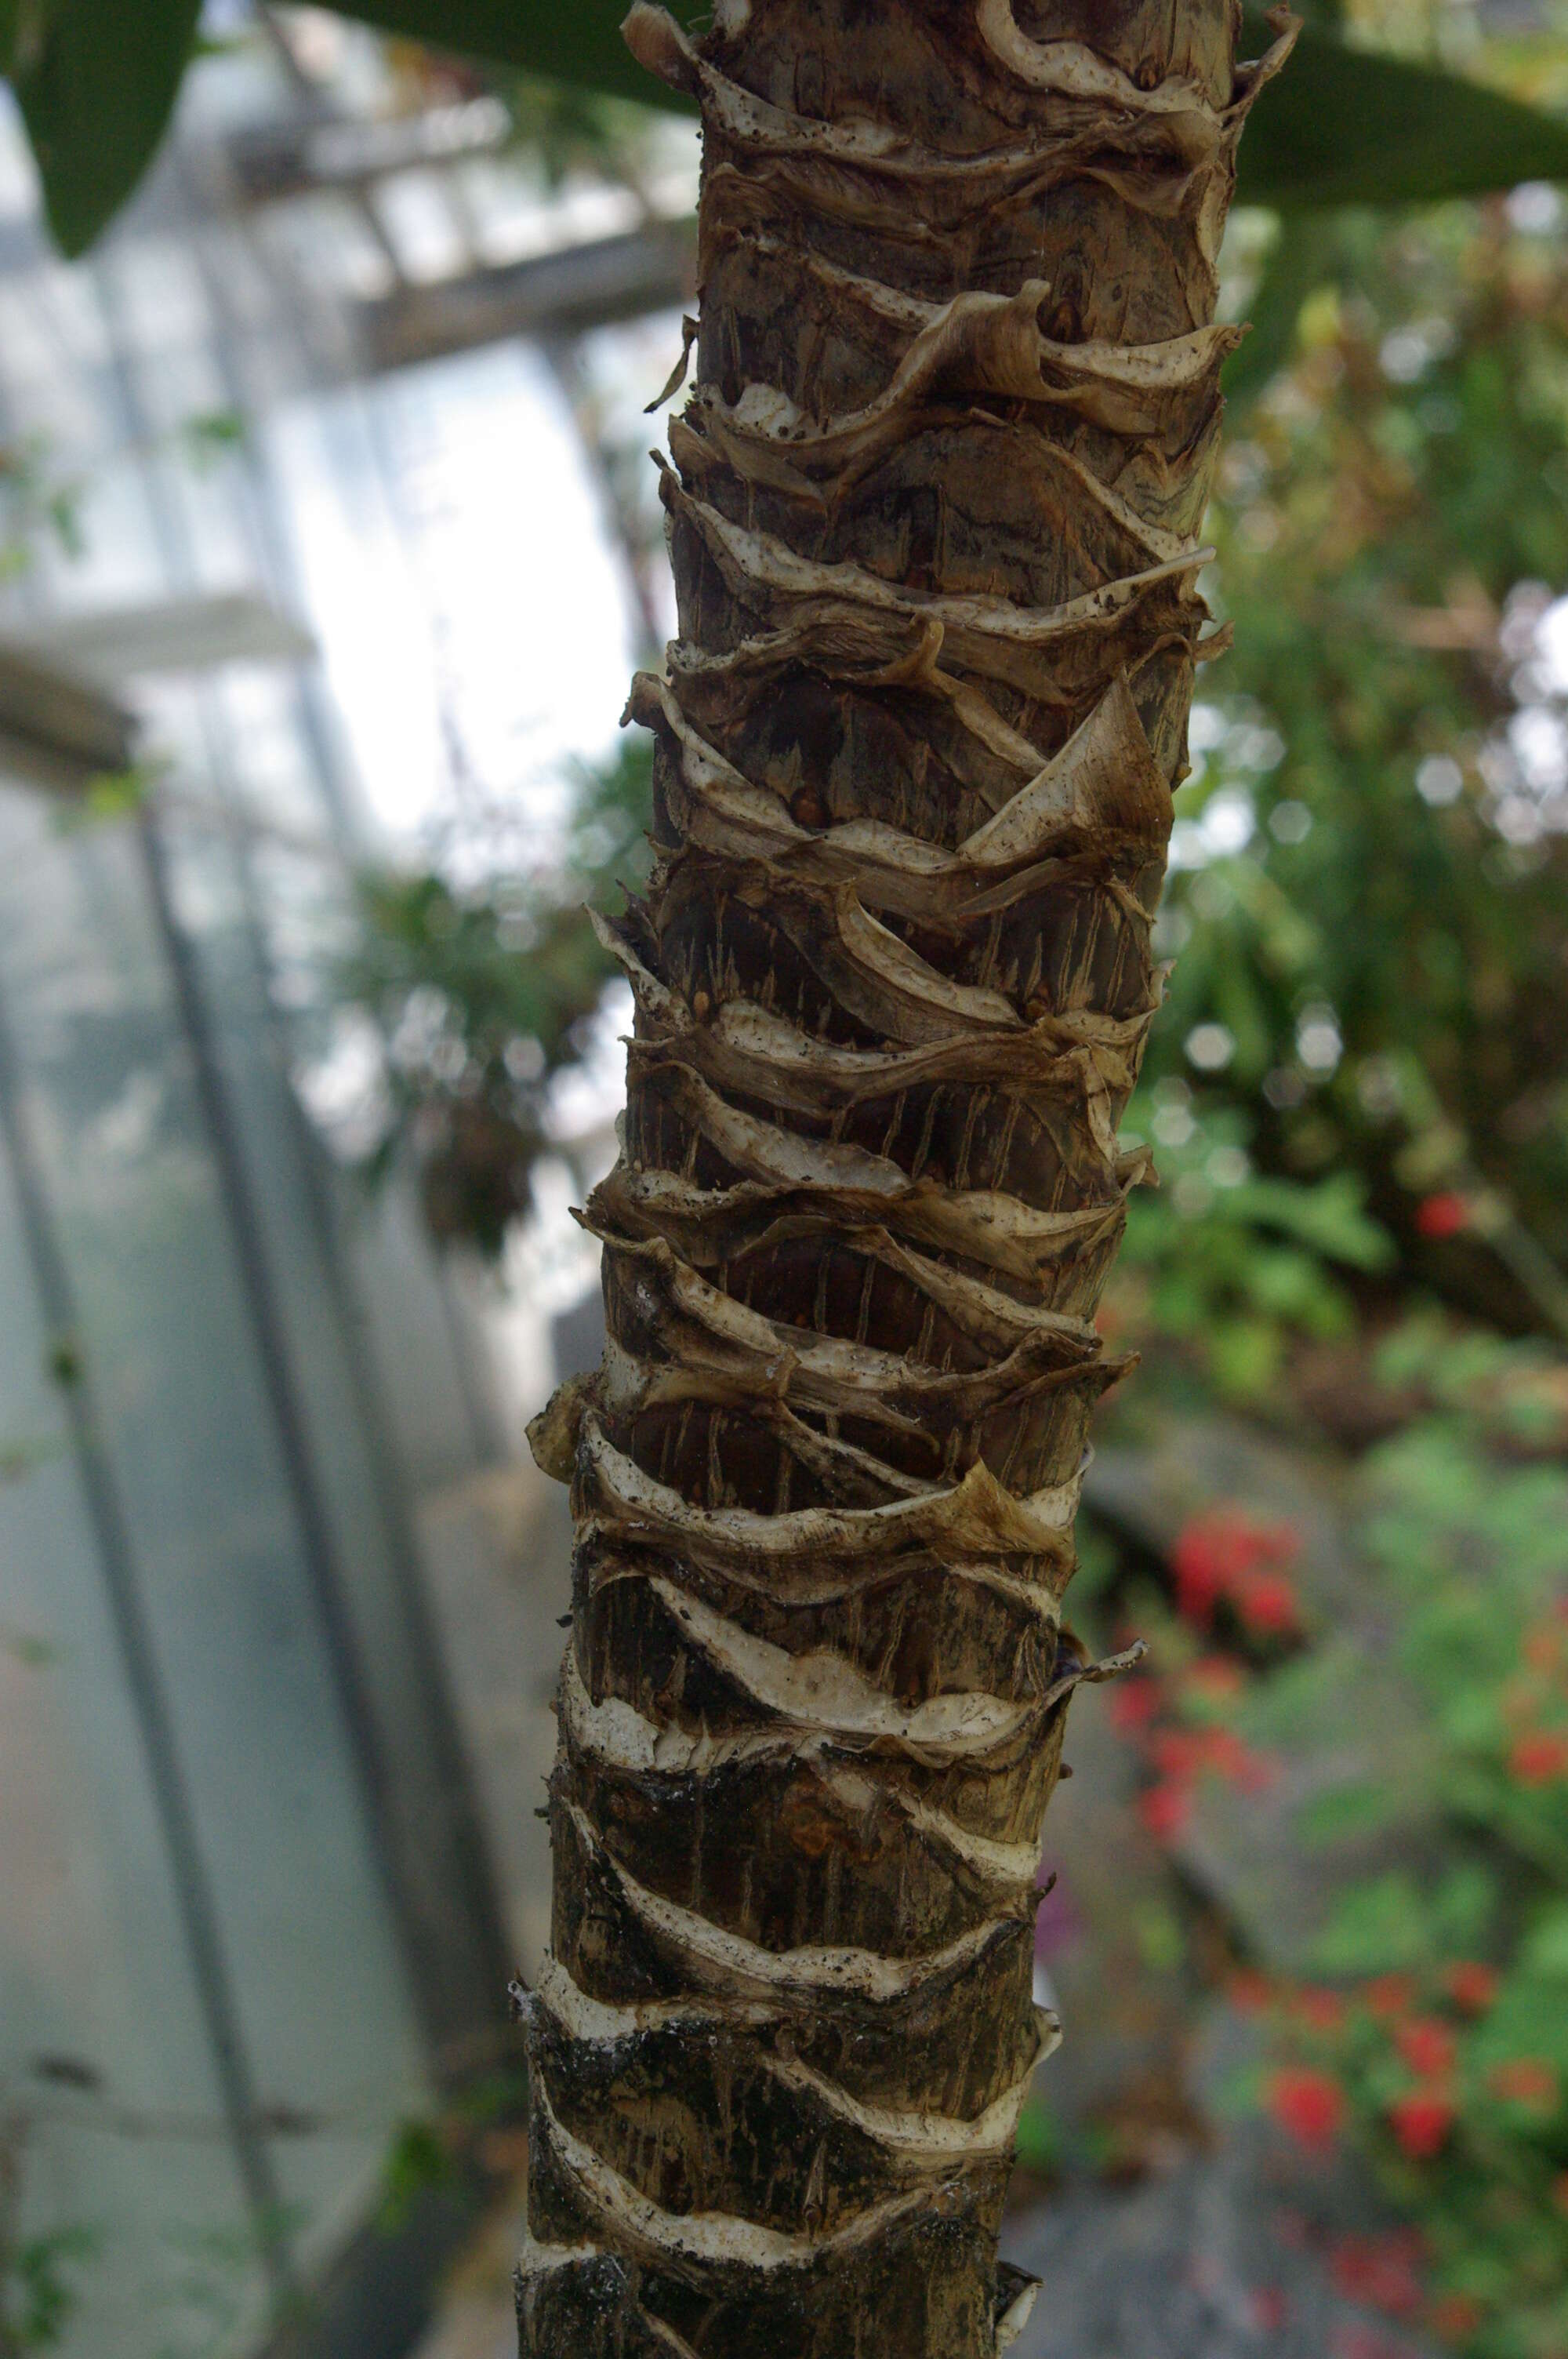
{"points": [[934, 508]]}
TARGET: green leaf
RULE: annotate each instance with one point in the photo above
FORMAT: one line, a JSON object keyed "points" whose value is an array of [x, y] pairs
{"points": [[1338, 126], [1040, 2144], [1345, 1813], [1350, 126], [1376, 1928], [1528, 2019], [96, 88], [419, 2162], [1462, 1906], [1328, 1216], [1295, 266], [44, 2298], [1546, 1951], [561, 41]]}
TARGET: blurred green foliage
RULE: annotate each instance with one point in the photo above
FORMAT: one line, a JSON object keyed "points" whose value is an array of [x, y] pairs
{"points": [[484, 995], [1443, 2032], [1434, 2037], [96, 81], [478, 2137], [1370, 860], [38, 2296], [38, 503], [1462, 1494], [1235, 1266], [1358, 1092], [37, 2267]]}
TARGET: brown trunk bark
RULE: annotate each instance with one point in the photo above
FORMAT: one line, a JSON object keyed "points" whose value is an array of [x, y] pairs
{"points": [[934, 511]]}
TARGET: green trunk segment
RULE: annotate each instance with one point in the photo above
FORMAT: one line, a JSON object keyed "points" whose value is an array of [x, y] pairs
{"points": [[934, 513]]}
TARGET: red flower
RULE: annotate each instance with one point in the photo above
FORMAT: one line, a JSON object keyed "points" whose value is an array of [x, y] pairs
{"points": [[1217, 1549], [1269, 2308], [1526, 2080], [1388, 1996], [1267, 1602], [1421, 2123], [1178, 1751], [1181, 1755], [1310, 2105], [1228, 1758], [1426, 2046], [1442, 1215], [1252, 1771], [1320, 2010], [1216, 1678], [1133, 1704], [1540, 1647], [1200, 1575], [1163, 1810], [1249, 1990], [1381, 2270], [1472, 1986], [1539, 1759], [1359, 2341]]}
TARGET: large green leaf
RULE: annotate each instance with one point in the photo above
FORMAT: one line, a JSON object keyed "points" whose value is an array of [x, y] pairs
{"points": [[1339, 126], [1345, 126], [563, 40], [96, 80], [1303, 249]]}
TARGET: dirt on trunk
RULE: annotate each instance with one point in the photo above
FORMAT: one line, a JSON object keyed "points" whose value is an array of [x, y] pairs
{"points": [[934, 510]]}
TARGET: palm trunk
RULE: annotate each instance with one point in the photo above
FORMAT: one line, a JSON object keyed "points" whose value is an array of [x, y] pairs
{"points": [[933, 514]]}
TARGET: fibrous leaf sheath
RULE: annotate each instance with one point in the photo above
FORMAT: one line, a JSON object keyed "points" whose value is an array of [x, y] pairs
{"points": [[935, 509]]}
